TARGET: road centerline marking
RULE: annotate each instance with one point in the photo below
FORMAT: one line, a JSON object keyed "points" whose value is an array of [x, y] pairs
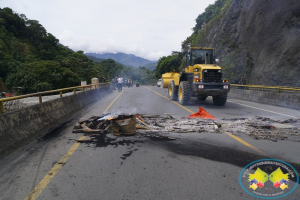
{"points": [[262, 109], [112, 103], [245, 143], [50, 175], [44, 182], [171, 101]]}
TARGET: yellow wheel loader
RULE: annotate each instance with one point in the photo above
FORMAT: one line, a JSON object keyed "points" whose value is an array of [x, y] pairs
{"points": [[201, 78]]}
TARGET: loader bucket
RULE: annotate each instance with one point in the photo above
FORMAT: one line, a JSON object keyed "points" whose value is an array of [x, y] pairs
{"points": [[167, 77]]}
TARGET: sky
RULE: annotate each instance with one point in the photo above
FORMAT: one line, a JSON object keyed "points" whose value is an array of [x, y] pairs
{"points": [[146, 28]]}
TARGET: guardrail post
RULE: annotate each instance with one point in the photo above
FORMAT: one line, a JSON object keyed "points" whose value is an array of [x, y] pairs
{"points": [[74, 91], [1, 108], [40, 99], [60, 93]]}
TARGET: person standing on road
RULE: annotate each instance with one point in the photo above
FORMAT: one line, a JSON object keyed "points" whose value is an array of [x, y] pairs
{"points": [[120, 82]]}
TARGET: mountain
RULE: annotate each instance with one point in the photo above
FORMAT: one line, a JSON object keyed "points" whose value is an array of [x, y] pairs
{"points": [[95, 59], [257, 40], [151, 66], [125, 59]]}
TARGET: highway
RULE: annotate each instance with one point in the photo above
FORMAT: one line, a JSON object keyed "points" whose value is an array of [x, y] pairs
{"points": [[194, 166]]}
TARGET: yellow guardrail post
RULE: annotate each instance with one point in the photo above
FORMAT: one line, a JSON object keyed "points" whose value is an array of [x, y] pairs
{"points": [[40, 98], [60, 93], [74, 91], [1, 108]]}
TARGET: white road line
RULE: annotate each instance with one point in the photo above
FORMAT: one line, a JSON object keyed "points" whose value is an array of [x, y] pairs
{"points": [[263, 109]]}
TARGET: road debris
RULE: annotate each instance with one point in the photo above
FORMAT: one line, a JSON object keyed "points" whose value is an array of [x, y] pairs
{"points": [[262, 128], [164, 127]]}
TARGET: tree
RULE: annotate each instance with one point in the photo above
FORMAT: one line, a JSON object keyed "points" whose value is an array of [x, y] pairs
{"points": [[168, 64]]}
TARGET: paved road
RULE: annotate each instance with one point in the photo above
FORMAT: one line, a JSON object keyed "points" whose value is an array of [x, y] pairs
{"points": [[195, 166]]}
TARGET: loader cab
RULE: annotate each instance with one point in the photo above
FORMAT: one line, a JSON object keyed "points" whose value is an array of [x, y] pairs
{"points": [[196, 55]]}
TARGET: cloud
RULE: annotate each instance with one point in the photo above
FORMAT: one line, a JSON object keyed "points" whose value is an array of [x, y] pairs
{"points": [[108, 45], [149, 29]]}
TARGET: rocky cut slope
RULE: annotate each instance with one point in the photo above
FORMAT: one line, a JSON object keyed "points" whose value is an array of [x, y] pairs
{"points": [[256, 39]]}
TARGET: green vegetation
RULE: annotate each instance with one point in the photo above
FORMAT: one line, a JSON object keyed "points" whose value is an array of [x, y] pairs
{"points": [[205, 20], [169, 64], [210, 12], [33, 59]]}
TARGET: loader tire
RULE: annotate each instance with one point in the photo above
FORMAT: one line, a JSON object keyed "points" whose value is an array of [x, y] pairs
{"points": [[173, 91], [220, 100], [201, 97], [184, 93]]}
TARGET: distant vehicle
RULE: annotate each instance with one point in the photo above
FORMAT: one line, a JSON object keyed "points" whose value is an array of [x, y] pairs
{"points": [[159, 83]]}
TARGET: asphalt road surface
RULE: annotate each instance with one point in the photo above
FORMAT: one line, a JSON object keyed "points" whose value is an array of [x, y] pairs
{"points": [[194, 166]]}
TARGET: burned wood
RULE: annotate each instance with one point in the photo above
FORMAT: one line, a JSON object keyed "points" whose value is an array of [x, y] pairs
{"points": [[138, 126], [140, 121], [89, 124], [87, 129], [100, 124], [107, 127], [170, 116]]}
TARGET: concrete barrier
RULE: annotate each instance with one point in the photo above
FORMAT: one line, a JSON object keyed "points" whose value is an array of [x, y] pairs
{"points": [[22, 126], [288, 100]]}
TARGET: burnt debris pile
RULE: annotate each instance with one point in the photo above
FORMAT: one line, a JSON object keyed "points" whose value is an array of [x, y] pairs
{"points": [[163, 127], [262, 128], [122, 125]]}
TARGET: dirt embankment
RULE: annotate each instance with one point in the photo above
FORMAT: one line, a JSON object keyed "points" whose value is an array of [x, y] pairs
{"points": [[259, 40]]}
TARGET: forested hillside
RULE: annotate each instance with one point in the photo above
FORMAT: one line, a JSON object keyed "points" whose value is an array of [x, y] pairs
{"points": [[257, 40], [33, 59]]}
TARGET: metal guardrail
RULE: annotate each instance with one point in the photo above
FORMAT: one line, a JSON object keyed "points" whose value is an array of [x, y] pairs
{"points": [[39, 94], [266, 88]]}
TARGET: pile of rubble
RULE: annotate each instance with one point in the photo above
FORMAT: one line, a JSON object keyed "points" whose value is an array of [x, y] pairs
{"points": [[262, 128], [159, 126], [101, 125], [95, 124]]}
